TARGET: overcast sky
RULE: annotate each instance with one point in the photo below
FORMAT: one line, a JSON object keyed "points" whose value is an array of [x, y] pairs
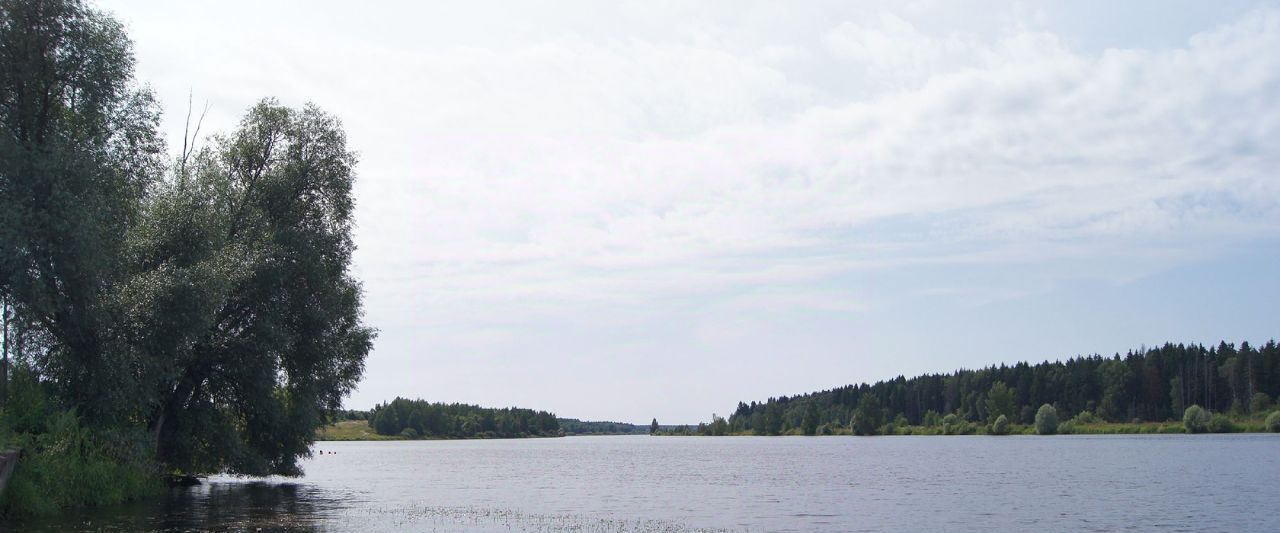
{"points": [[627, 210]]}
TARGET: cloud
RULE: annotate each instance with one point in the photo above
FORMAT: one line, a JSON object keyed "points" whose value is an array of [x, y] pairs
{"points": [[574, 167], [589, 169]]}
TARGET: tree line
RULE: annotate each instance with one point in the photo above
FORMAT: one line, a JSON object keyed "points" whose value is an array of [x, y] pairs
{"points": [[1148, 384], [573, 426], [423, 419]]}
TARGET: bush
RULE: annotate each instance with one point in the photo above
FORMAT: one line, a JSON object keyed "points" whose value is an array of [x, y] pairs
{"points": [[71, 466], [950, 424], [1273, 422], [1085, 417], [1195, 419], [1046, 420], [1067, 427], [409, 433], [931, 419], [1221, 424], [1000, 426]]}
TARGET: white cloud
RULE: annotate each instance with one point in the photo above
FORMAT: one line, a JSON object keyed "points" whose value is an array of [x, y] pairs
{"points": [[518, 170]]}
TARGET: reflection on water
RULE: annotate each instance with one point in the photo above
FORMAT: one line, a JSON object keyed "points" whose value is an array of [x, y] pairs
{"points": [[679, 484], [218, 505], [232, 505]]}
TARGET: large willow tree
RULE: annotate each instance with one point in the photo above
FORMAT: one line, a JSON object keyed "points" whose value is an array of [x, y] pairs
{"points": [[207, 301]]}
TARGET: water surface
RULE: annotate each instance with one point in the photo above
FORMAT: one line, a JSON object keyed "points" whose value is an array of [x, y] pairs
{"points": [[641, 483]]}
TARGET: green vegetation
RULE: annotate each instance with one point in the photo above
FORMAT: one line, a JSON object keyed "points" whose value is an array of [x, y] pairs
{"points": [[1273, 422], [351, 430], [421, 419], [573, 426], [1143, 386], [1138, 393], [1000, 426], [1195, 419], [192, 315], [65, 464], [1046, 420]]}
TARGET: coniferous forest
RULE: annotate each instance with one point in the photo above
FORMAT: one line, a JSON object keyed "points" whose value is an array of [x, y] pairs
{"points": [[1149, 384]]}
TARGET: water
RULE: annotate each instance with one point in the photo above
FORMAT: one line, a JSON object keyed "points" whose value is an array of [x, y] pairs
{"points": [[641, 483]]}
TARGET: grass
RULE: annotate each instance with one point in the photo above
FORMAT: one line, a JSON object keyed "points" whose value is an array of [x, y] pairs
{"points": [[351, 430]]}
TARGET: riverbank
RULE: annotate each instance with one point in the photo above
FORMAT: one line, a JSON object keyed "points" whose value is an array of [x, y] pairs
{"points": [[352, 430], [1069, 427], [359, 430]]}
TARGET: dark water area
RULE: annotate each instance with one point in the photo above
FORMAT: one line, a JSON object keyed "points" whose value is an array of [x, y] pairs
{"points": [[672, 484]]}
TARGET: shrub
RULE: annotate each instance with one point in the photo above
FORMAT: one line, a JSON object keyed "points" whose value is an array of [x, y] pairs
{"points": [[931, 419], [1273, 422], [1067, 427], [409, 433], [1195, 419], [1085, 417], [71, 466], [1046, 420], [1221, 424], [950, 424], [1000, 426]]}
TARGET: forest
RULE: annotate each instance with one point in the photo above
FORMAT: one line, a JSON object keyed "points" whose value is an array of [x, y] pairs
{"points": [[573, 426], [1148, 384], [422, 419]]}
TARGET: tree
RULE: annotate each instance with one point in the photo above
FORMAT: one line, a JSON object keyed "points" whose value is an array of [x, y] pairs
{"points": [[950, 424], [78, 151], [1046, 420], [1195, 419], [867, 418], [719, 426], [653, 426], [999, 401], [1000, 426], [242, 277], [1260, 403], [810, 424], [210, 300], [1117, 386]]}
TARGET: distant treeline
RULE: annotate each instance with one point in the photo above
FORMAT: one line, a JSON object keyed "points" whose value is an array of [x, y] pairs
{"points": [[1145, 385], [573, 426], [423, 419]]}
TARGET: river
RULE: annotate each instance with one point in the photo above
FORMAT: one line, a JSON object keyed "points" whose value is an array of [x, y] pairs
{"points": [[673, 484]]}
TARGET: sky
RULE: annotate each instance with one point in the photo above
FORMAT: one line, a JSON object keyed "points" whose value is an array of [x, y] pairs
{"points": [[635, 210]]}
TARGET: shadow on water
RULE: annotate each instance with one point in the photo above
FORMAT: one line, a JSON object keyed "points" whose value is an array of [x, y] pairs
{"points": [[219, 505]]}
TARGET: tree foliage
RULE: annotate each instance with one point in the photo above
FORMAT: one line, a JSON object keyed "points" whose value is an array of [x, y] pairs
{"points": [[1195, 419], [1000, 426], [426, 419], [573, 426], [1148, 384], [1046, 420], [207, 299], [1273, 422]]}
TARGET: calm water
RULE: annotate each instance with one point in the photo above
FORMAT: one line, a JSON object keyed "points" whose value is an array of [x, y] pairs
{"points": [[641, 483]]}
